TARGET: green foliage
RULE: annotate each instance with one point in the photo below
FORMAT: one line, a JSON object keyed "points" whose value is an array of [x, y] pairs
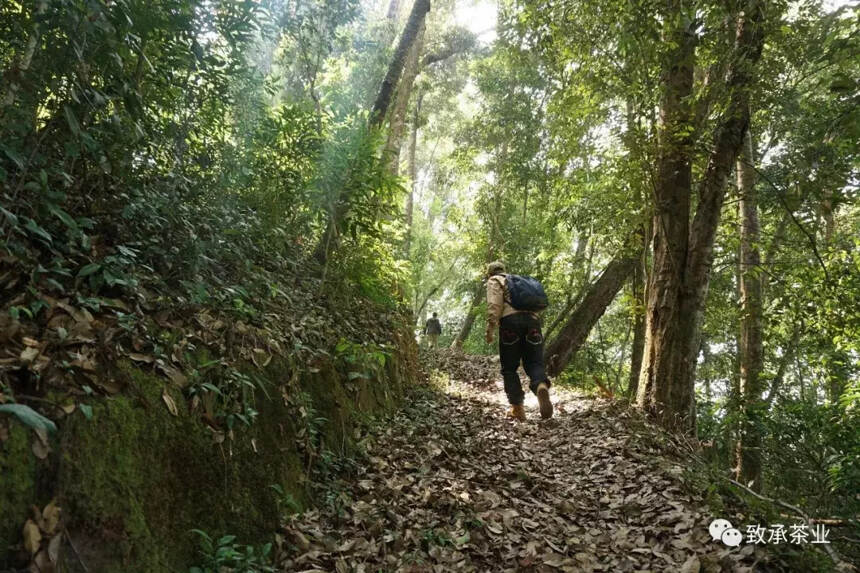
{"points": [[227, 395], [362, 360], [225, 554], [310, 431], [287, 503], [29, 417], [812, 456]]}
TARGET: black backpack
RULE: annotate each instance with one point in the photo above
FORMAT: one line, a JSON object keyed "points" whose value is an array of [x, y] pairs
{"points": [[526, 293]]}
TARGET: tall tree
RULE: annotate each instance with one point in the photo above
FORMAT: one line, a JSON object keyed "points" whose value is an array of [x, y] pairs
{"points": [[748, 450], [682, 249], [397, 124], [637, 288], [411, 32]]}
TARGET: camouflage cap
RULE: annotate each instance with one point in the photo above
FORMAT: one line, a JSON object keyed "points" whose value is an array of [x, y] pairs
{"points": [[495, 268]]}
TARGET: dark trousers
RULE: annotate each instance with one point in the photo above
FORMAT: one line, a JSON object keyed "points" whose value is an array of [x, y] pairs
{"points": [[521, 340]]}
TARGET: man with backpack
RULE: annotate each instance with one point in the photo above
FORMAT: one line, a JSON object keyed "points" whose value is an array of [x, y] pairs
{"points": [[513, 306], [432, 330]]}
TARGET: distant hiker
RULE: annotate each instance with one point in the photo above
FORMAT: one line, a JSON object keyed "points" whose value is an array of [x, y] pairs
{"points": [[513, 304], [432, 330]]}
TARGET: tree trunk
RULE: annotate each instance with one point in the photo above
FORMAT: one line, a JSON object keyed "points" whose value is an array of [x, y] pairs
{"points": [[478, 294], [682, 251], [748, 450], [340, 206], [664, 389], [787, 356], [638, 347], [573, 299], [397, 124], [414, 26], [413, 173], [12, 77], [575, 331]]}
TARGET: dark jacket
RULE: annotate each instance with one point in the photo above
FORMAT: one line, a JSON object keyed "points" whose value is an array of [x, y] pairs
{"points": [[433, 326]]}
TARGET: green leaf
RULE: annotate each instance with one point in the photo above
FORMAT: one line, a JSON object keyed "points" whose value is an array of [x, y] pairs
{"points": [[86, 410], [13, 220], [14, 156], [72, 120], [34, 228], [62, 216], [89, 269], [29, 417]]}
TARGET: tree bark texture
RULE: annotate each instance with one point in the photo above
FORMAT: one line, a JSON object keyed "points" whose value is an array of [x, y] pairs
{"points": [[683, 250], [414, 25], [397, 123], [377, 116], [638, 346], [413, 173], [665, 390], [748, 448], [575, 331], [478, 294]]}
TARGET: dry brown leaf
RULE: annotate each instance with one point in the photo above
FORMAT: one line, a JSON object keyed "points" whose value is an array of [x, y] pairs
{"points": [[691, 565], [40, 449], [450, 484], [175, 375], [32, 537], [50, 518], [171, 404], [28, 355]]}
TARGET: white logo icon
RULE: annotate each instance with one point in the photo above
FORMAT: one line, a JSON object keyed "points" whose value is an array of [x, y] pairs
{"points": [[732, 537], [718, 527]]}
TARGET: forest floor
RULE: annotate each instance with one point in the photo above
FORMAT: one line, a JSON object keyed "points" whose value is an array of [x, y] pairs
{"points": [[450, 484]]}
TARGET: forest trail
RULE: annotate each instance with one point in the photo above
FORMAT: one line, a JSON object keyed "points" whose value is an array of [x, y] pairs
{"points": [[450, 484]]}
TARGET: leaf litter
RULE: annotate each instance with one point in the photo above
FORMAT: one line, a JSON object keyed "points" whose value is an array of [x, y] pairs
{"points": [[449, 483]]}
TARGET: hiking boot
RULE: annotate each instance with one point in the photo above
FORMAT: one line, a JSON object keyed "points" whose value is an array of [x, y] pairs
{"points": [[543, 400], [518, 413]]}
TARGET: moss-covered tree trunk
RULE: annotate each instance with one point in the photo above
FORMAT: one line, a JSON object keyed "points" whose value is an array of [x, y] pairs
{"points": [[748, 448]]}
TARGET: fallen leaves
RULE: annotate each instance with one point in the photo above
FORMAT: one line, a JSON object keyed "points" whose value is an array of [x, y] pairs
{"points": [[449, 484], [171, 404], [42, 538]]}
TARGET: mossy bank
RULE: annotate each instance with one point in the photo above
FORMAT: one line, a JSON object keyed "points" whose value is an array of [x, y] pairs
{"points": [[133, 478]]}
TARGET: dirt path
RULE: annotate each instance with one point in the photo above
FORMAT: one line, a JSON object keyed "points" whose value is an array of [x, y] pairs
{"points": [[452, 485]]}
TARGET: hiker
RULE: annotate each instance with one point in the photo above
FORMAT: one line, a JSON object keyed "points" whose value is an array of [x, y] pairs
{"points": [[432, 330], [520, 339]]}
